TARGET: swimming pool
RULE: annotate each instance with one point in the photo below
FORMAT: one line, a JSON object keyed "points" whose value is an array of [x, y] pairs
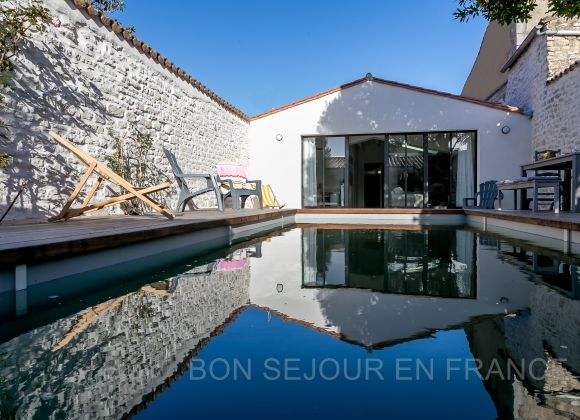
{"points": [[326, 322]]}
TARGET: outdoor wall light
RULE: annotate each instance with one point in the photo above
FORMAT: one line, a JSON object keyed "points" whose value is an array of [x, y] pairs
{"points": [[279, 287], [279, 137], [506, 129]]}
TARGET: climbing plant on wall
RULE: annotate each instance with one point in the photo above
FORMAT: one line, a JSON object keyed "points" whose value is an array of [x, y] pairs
{"points": [[132, 159]]}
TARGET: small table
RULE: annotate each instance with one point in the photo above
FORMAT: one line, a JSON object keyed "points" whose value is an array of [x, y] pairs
{"points": [[535, 185], [570, 164]]}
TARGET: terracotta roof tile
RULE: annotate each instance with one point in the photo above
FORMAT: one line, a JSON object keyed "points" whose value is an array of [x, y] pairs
{"points": [[494, 105], [117, 28], [567, 70]]}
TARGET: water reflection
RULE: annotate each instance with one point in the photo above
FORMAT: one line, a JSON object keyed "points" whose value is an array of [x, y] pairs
{"points": [[318, 293], [106, 360], [428, 263]]}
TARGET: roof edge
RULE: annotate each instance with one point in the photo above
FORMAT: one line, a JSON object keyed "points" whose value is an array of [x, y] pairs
{"points": [[132, 40], [495, 105], [565, 71], [520, 49]]}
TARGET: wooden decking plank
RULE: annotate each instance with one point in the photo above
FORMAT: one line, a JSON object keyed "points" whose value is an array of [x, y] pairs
{"points": [[47, 241]]}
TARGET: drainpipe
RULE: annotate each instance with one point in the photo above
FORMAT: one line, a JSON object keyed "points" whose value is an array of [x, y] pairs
{"points": [[559, 32]]}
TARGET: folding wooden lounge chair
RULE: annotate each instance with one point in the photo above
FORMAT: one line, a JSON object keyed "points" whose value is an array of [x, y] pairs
{"points": [[103, 173], [185, 195], [487, 194], [269, 198]]}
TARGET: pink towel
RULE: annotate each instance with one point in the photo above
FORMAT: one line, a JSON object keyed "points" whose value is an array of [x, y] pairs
{"points": [[227, 265], [232, 171]]}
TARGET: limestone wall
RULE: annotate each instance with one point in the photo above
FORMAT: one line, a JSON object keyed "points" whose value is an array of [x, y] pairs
{"points": [[545, 82], [127, 348], [556, 122], [95, 84], [527, 77], [562, 50]]}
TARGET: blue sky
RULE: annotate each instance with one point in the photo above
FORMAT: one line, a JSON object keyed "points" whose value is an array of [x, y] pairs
{"points": [[260, 54]]}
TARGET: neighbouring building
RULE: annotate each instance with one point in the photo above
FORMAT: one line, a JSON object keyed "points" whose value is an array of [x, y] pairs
{"points": [[534, 66]]}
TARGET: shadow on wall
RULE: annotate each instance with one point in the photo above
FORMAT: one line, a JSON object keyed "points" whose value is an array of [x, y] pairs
{"points": [[46, 93], [367, 108], [50, 91], [378, 107]]}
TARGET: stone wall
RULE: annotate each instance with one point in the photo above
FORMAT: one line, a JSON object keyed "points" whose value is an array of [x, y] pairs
{"points": [[556, 122], [545, 82], [127, 349], [562, 50], [527, 77], [95, 84]]}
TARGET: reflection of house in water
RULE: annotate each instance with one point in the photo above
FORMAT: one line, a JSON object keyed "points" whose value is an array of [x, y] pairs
{"points": [[129, 348], [416, 294], [542, 342], [410, 262]]}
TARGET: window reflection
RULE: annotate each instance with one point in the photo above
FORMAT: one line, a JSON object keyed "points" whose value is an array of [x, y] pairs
{"points": [[430, 263]]}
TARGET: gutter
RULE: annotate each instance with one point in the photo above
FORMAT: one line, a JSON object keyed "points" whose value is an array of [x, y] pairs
{"points": [[538, 31]]}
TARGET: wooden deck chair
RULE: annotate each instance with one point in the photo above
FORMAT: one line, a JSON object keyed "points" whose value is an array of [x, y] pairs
{"points": [[103, 172], [485, 197], [269, 198]]}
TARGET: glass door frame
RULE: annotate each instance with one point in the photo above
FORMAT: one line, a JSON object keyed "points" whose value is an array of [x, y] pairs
{"points": [[386, 170], [425, 135], [346, 169]]}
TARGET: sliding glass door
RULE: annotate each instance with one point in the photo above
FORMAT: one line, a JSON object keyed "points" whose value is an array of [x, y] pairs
{"points": [[451, 168], [407, 170], [323, 171]]}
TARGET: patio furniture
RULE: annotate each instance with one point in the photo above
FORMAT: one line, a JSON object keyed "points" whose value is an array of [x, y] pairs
{"points": [[269, 198], [570, 165], [103, 173], [545, 154], [185, 194], [536, 184], [233, 182], [487, 194]]}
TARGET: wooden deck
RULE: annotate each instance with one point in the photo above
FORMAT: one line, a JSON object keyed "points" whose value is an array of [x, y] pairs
{"points": [[41, 241]]}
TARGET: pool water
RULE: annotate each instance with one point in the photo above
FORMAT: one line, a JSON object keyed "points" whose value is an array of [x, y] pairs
{"points": [[312, 323]]}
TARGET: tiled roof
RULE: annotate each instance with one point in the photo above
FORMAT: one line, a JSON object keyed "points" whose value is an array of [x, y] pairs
{"points": [[373, 79], [567, 70], [335, 162], [415, 161], [117, 28]]}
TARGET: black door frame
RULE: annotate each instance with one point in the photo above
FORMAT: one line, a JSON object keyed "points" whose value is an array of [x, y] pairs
{"points": [[425, 135]]}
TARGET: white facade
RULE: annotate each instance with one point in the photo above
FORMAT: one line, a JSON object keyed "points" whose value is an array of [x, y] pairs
{"points": [[378, 107], [380, 317]]}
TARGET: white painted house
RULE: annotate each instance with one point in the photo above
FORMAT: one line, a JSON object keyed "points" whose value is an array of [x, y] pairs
{"points": [[377, 143]]}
